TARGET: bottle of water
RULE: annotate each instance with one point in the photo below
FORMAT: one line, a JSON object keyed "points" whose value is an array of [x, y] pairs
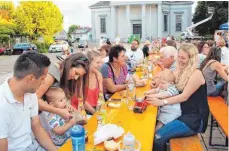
{"points": [[101, 110], [78, 138]]}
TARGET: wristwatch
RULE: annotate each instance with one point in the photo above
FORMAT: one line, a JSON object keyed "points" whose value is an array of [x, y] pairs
{"points": [[165, 102]]}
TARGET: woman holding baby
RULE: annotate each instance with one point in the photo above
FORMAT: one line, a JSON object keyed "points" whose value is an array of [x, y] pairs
{"points": [[192, 98], [70, 76]]}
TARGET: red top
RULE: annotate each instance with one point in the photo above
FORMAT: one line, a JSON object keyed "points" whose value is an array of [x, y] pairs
{"points": [[74, 101], [92, 96]]}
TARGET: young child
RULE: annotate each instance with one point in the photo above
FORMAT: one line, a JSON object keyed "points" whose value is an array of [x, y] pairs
{"points": [[59, 129], [165, 89]]}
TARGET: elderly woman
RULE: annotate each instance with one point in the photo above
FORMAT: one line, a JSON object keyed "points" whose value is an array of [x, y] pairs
{"points": [[69, 76], [193, 99], [114, 72]]}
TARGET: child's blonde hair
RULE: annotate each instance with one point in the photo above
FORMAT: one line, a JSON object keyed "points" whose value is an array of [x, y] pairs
{"points": [[167, 75]]}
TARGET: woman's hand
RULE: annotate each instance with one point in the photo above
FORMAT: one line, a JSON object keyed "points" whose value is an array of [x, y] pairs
{"points": [[151, 99], [64, 113]]}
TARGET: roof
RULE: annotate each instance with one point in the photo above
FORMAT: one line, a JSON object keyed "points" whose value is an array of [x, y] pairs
{"points": [[178, 2], [100, 4], [106, 4], [81, 31]]}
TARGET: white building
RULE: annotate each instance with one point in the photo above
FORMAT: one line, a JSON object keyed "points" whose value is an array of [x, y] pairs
{"points": [[61, 35], [150, 19], [83, 33]]}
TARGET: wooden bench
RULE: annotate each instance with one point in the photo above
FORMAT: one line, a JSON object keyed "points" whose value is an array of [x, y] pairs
{"points": [[219, 113], [191, 143]]}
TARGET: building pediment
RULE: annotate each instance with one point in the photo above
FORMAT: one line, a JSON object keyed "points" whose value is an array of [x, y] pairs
{"points": [[108, 4]]}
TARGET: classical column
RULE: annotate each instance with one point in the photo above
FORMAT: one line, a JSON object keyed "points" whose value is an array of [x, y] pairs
{"points": [[128, 19], [113, 23], [143, 22], [159, 21], [93, 26]]}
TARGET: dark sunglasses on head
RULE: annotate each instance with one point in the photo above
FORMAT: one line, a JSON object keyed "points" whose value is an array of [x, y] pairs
{"points": [[83, 59]]}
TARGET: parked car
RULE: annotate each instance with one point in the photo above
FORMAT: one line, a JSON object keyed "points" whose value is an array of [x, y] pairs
{"points": [[2, 50], [58, 46], [34, 47], [6, 51], [23, 47], [83, 44]]}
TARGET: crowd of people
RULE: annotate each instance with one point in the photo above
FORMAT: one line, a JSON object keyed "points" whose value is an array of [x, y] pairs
{"points": [[191, 71]]}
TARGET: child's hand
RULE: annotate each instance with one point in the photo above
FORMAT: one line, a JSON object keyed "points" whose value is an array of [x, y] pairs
{"points": [[72, 121], [64, 113], [71, 109], [153, 84]]}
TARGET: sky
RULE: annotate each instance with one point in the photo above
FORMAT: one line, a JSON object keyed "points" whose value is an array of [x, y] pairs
{"points": [[78, 12], [75, 12]]}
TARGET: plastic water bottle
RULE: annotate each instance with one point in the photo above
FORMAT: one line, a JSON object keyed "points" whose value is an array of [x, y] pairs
{"points": [[129, 142], [78, 138]]}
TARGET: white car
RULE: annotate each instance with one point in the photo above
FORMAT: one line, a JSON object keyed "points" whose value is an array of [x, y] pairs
{"points": [[58, 47]]}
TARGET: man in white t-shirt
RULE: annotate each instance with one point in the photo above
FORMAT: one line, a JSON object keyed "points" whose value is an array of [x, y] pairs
{"points": [[134, 55], [19, 106]]}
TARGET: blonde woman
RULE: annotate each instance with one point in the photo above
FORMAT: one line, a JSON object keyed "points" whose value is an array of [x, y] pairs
{"points": [[193, 99], [94, 81]]}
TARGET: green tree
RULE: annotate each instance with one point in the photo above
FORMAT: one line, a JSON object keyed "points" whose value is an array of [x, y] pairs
{"points": [[220, 16], [71, 29], [7, 31], [38, 18]]}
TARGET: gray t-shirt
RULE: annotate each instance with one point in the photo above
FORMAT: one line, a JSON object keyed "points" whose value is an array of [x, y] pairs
{"points": [[55, 72]]}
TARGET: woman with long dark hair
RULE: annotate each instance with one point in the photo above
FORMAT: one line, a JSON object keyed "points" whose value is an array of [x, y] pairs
{"points": [[210, 67], [70, 76]]}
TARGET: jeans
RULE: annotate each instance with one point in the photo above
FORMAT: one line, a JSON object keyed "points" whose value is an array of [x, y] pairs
{"points": [[173, 129], [219, 87]]}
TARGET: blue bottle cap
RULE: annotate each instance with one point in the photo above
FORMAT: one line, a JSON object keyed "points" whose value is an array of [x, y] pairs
{"points": [[77, 131]]}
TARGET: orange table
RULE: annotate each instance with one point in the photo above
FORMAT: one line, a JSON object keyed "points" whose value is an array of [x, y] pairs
{"points": [[142, 126]]}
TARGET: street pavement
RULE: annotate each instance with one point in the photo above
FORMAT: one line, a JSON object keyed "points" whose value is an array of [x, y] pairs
{"points": [[7, 63]]}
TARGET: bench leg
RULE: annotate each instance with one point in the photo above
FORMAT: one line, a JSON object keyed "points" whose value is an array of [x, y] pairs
{"points": [[226, 142], [211, 131]]}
